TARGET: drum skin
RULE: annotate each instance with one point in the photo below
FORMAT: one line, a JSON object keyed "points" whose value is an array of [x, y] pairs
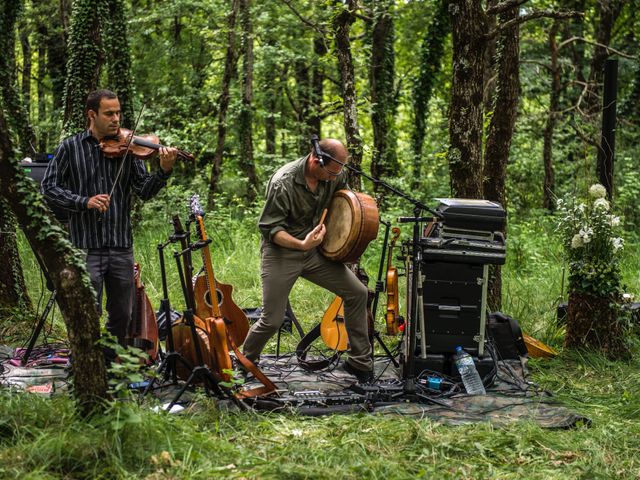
{"points": [[352, 223]]}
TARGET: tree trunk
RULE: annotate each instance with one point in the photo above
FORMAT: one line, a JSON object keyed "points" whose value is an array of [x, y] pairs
{"points": [[118, 51], [246, 117], [490, 68], [500, 132], [67, 270], [9, 93], [302, 102], [465, 113], [549, 185], [13, 290], [26, 72], [342, 26], [223, 101], [272, 88], [431, 53], [608, 11], [56, 45], [85, 60], [592, 322], [317, 85], [42, 102], [381, 80]]}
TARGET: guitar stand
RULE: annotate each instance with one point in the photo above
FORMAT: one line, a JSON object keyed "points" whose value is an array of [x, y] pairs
{"points": [[200, 372], [168, 365], [295, 323]]}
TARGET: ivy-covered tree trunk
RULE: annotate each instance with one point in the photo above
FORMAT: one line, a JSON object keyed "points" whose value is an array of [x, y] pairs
{"points": [[245, 119], [13, 291], [465, 112], [116, 42], [231, 59], [500, 132], [85, 59], [9, 93], [383, 95], [431, 52], [342, 26], [42, 102], [549, 184], [56, 45], [26, 71], [66, 268]]}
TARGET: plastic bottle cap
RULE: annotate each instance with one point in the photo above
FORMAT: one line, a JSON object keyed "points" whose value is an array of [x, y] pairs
{"points": [[458, 349]]}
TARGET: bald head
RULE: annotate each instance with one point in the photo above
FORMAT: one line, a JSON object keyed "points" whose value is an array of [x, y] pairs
{"points": [[335, 148]]}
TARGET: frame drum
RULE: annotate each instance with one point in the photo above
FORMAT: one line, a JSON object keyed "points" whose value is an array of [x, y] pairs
{"points": [[352, 222]]}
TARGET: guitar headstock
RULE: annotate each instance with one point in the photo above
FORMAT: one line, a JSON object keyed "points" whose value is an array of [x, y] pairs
{"points": [[194, 206]]}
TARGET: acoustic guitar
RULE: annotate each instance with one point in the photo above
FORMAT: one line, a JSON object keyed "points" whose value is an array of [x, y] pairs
{"points": [[332, 327], [183, 339], [212, 313], [224, 307]]}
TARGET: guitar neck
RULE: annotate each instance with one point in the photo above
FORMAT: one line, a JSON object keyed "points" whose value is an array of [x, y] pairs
{"points": [[208, 271]]}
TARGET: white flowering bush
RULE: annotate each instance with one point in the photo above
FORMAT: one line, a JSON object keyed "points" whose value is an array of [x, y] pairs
{"points": [[591, 234]]}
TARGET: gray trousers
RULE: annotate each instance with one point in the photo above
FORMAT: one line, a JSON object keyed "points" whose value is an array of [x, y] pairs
{"points": [[111, 269], [280, 268]]}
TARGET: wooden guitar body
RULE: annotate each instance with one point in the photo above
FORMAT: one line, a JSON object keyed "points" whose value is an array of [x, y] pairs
{"points": [[143, 328], [183, 342], [332, 327], [237, 322]]}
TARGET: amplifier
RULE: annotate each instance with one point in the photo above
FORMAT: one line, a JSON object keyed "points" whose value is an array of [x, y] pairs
{"points": [[35, 171]]}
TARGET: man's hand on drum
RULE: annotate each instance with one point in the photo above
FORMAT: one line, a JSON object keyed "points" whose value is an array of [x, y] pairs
{"points": [[314, 237]]}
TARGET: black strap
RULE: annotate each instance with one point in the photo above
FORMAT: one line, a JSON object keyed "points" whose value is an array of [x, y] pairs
{"points": [[303, 349]]}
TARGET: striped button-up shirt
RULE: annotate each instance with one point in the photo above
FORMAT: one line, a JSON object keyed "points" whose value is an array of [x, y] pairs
{"points": [[78, 171]]}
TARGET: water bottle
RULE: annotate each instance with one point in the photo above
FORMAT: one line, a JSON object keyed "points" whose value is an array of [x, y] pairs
{"points": [[470, 377]]}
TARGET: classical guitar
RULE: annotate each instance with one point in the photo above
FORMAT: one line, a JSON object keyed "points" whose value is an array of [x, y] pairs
{"points": [[223, 306], [393, 307], [332, 327]]}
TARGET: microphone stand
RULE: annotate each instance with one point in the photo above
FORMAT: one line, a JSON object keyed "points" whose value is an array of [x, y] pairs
{"points": [[408, 371]]}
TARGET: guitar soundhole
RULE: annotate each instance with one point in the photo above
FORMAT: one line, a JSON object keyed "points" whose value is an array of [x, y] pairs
{"points": [[207, 298]]}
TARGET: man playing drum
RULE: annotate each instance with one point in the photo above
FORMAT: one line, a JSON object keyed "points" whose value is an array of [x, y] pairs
{"points": [[291, 231]]}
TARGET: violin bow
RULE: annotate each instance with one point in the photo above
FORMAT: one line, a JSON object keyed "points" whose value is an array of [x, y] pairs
{"points": [[133, 132]]}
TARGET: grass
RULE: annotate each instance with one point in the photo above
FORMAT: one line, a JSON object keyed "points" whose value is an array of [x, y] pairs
{"points": [[42, 438]]}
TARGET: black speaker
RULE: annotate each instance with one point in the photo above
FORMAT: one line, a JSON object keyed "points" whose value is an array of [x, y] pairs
{"points": [[35, 171]]}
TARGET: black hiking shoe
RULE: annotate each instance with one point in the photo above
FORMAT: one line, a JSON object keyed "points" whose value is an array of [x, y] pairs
{"points": [[363, 376]]}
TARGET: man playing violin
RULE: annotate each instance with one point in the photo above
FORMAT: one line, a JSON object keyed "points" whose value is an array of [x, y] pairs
{"points": [[79, 179], [291, 231]]}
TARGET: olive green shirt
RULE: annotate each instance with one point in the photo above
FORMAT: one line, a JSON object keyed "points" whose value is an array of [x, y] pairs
{"points": [[291, 205]]}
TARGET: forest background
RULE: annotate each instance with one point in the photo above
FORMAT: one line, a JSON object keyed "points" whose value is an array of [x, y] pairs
{"points": [[242, 85]]}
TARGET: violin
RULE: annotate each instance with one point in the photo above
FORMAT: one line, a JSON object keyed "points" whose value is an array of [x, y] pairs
{"points": [[143, 329], [393, 309], [142, 146]]}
